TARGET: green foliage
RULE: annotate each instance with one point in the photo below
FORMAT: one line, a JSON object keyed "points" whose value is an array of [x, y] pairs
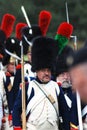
{"points": [[77, 13]]}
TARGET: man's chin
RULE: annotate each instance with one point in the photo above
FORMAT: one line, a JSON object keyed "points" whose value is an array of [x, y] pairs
{"points": [[84, 100], [46, 80]]}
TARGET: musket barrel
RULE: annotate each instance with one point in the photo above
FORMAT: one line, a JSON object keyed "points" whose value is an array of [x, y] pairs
{"points": [[23, 91]]}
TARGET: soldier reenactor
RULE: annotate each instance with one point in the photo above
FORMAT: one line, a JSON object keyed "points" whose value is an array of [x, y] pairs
{"points": [[79, 79]]}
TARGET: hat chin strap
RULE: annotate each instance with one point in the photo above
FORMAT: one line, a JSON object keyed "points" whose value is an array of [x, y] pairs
{"points": [[11, 54], [25, 38]]}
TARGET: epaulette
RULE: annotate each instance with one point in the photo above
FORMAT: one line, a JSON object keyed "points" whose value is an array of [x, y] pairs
{"points": [[59, 84], [18, 66]]}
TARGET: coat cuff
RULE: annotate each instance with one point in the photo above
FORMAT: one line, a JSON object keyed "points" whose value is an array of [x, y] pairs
{"points": [[17, 128], [9, 117]]}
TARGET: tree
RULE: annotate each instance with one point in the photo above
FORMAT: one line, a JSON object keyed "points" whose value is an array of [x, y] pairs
{"points": [[77, 13]]}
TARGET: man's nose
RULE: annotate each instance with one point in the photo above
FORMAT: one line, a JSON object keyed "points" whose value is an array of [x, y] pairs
{"points": [[65, 76], [46, 72]]}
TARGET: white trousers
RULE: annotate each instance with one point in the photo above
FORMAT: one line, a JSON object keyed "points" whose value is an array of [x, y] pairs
{"points": [[45, 126]]}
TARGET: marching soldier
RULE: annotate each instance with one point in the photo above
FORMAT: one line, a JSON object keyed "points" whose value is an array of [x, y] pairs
{"points": [[43, 94], [26, 38], [64, 81], [79, 79], [5, 31], [8, 85], [23, 32]]}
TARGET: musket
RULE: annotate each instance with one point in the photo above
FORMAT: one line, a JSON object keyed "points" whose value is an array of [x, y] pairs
{"points": [[23, 90], [23, 84], [28, 23], [75, 43], [22, 72], [77, 94], [26, 18], [79, 111], [75, 37], [67, 14]]}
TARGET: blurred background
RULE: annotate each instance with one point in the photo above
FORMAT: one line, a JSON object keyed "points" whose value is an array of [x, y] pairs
{"points": [[77, 14]]}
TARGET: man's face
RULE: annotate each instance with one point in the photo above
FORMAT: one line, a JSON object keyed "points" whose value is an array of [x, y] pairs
{"points": [[79, 80], [64, 77], [44, 75], [11, 67]]}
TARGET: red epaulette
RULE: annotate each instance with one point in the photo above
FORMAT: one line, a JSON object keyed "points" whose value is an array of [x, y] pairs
{"points": [[18, 66], [8, 74], [59, 84]]}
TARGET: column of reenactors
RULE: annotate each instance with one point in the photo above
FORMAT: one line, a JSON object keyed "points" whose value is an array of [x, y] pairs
{"points": [[53, 73]]}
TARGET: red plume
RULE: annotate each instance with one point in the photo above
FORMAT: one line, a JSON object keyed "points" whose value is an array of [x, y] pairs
{"points": [[44, 21], [19, 26], [7, 24], [65, 29]]}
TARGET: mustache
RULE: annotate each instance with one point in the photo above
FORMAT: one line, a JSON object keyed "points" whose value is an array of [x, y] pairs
{"points": [[46, 76], [66, 84]]}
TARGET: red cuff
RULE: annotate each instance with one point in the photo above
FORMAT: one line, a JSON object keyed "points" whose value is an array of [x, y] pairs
{"points": [[9, 117], [73, 127], [17, 128]]}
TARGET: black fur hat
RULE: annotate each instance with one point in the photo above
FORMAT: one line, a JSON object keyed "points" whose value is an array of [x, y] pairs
{"points": [[36, 31], [44, 51], [80, 57], [28, 34], [12, 45], [85, 44], [2, 40], [64, 60]]}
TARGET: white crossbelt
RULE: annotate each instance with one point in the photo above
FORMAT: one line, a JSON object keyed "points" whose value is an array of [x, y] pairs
{"points": [[41, 96], [84, 111], [48, 95]]}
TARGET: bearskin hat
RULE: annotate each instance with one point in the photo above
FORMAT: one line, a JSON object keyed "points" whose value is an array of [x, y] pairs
{"points": [[36, 31], [64, 60], [44, 51], [80, 57], [2, 47], [12, 45], [27, 36]]}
